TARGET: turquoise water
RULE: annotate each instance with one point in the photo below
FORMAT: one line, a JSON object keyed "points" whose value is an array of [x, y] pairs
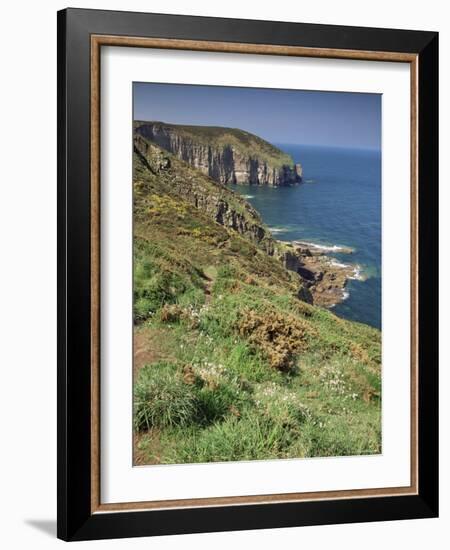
{"points": [[338, 204]]}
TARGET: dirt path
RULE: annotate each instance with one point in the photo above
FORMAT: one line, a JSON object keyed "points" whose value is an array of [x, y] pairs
{"points": [[149, 347], [210, 274]]}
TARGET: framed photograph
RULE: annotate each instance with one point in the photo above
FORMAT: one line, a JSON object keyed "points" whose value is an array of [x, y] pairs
{"points": [[247, 274]]}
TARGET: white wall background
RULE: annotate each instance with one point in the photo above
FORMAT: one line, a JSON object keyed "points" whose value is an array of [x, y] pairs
{"points": [[28, 272]]}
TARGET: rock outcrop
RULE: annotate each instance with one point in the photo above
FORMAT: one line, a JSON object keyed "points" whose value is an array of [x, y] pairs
{"points": [[216, 201], [227, 155], [324, 277]]}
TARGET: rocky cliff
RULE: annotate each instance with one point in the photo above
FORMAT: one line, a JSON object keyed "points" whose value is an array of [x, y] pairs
{"points": [[160, 177], [217, 202], [227, 155]]}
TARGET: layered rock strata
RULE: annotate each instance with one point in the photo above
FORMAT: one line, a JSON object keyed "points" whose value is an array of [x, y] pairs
{"points": [[228, 156]]}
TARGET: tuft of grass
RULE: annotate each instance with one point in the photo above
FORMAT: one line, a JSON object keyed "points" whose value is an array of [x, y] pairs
{"points": [[162, 399], [249, 437], [215, 404]]}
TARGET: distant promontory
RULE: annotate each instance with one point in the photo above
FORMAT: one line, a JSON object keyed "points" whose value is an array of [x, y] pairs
{"points": [[227, 155]]}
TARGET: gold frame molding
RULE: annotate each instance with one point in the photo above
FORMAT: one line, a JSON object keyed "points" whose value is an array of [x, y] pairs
{"points": [[97, 41]]}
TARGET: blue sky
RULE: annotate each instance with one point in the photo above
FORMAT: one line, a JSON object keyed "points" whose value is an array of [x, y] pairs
{"points": [[337, 119]]}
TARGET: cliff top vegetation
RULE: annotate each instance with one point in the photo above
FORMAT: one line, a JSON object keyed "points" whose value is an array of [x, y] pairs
{"points": [[246, 143]]}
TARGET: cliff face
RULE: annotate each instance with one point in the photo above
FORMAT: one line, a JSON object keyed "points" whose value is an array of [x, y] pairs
{"points": [[224, 154], [161, 179], [215, 201]]}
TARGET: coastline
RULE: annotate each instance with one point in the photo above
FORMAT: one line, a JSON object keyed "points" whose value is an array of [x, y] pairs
{"points": [[326, 278]]}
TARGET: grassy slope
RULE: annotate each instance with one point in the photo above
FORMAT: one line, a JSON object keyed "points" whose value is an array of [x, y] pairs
{"points": [[231, 365], [217, 136]]}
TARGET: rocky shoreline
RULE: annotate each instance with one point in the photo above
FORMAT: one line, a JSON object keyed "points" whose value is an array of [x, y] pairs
{"points": [[324, 276]]}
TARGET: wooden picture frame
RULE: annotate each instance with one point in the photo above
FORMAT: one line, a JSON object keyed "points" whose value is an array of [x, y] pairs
{"points": [[81, 35]]}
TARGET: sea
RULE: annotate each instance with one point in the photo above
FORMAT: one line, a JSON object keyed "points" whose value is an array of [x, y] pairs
{"points": [[337, 205]]}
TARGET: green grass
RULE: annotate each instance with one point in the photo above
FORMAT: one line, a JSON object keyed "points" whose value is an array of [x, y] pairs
{"points": [[327, 404], [248, 438], [228, 308], [161, 399]]}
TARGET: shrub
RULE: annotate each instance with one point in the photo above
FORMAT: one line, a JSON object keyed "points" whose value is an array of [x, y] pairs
{"points": [[359, 353], [278, 336], [162, 399], [170, 313]]}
